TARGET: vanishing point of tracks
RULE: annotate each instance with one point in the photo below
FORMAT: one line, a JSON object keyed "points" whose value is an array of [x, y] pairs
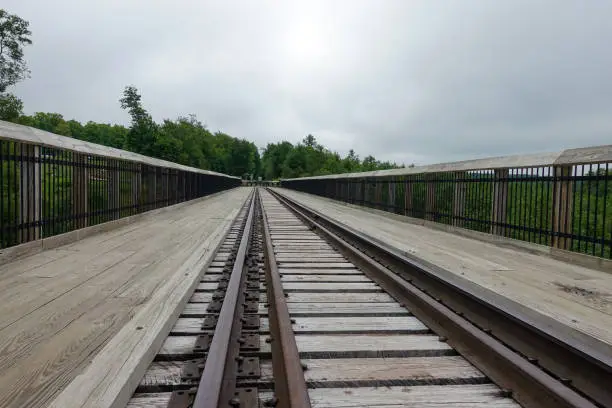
{"points": [[298, 311]]}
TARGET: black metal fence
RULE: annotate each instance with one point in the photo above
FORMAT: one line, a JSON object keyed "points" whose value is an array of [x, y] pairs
{"points": [[46, 191], [564, 206]]}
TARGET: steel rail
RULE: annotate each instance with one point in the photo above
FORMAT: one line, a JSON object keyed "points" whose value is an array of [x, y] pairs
{"points": [[289, 383], [218, 379], [528, 382]]}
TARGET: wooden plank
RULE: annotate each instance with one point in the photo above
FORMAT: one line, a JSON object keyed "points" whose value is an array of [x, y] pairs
{"points": [[336, 287], [310, 258], [150, 400], [211, 277], [196, 309], [381, 371], [410, 344], [418, 396], [570, 294], [189, 325], [299, 271], [177, 345], [314, 265], [305, 251], [325, 278], [296, 237], [207, 286], [161, 292], [370, 309], [164, 374], [335, 297], [393, 324], [201, 297]]}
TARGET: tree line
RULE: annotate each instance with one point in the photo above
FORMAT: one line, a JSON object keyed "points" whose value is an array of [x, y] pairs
{"points": [[184, 140], [309, 158]]}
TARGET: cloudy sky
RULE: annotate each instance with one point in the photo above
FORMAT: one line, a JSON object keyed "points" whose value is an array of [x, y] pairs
{"points": [[410, 81]]}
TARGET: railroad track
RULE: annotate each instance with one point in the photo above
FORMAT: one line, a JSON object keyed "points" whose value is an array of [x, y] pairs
{"points": [[296, 311]]}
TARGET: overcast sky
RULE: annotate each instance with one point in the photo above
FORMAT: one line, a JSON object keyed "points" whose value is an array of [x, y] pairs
{"points": [[410, 81]]}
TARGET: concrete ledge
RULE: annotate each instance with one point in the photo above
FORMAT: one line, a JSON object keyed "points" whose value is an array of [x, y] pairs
{"points": [[575, 258], [16, 252]]}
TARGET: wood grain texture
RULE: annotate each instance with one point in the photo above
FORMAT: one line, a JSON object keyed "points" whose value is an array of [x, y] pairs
{"points": [[315, 265], [426, 369], [285, 271], [337, 287], [334, 297], [340, 343], [576, 296], [347, 308], [422, 396], [112, 318], [325, 278], [309, 258], [31, 135], [392, 324], [164, 373], [150, 400]]}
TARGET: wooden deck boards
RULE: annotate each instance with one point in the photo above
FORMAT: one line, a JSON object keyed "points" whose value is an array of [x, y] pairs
{"points": [[62, 309], [576, 296]]}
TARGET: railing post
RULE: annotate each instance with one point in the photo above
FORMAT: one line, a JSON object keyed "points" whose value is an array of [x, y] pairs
{"points": [[430, 197], [408, 197], [562, 207], [164, 180], [136, 186], [113, 189], [80, 178], [459, 199], [500, 201], [391, 195], [29, 206], [151, 187]]}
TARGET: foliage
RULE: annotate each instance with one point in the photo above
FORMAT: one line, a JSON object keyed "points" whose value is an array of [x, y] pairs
{"points": [[142, 135], [14, 35], [309, 158], [11, 107]]}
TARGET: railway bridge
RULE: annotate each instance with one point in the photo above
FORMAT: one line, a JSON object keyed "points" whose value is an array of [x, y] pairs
{"points": [[128, 281]]}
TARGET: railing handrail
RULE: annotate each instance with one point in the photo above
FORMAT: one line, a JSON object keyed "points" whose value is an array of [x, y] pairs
{"points": [[568, 157], [29, 135]]}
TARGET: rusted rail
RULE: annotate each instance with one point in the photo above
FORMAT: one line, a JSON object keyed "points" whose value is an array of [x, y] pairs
{"points": [[289, 384], [538, 362], [217, 384]]}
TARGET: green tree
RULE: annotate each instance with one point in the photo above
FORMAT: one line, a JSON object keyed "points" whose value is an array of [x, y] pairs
{"points": [[142, 135], [11, 107], [14, 35]]}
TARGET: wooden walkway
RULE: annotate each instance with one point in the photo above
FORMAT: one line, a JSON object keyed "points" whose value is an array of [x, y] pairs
{"points": [[69, 311], [575, 296]]}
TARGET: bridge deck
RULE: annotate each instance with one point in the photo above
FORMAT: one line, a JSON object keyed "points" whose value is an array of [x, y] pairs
{"points": [[60, 307], [576, 296]]}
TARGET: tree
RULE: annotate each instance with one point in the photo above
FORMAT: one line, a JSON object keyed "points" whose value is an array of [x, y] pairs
{"points": [[14, 35], [142, 135], [11, 107]]}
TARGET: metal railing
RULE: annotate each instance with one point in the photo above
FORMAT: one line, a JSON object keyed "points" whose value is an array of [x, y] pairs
{"points": [[563, 200], [53, 184]]}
